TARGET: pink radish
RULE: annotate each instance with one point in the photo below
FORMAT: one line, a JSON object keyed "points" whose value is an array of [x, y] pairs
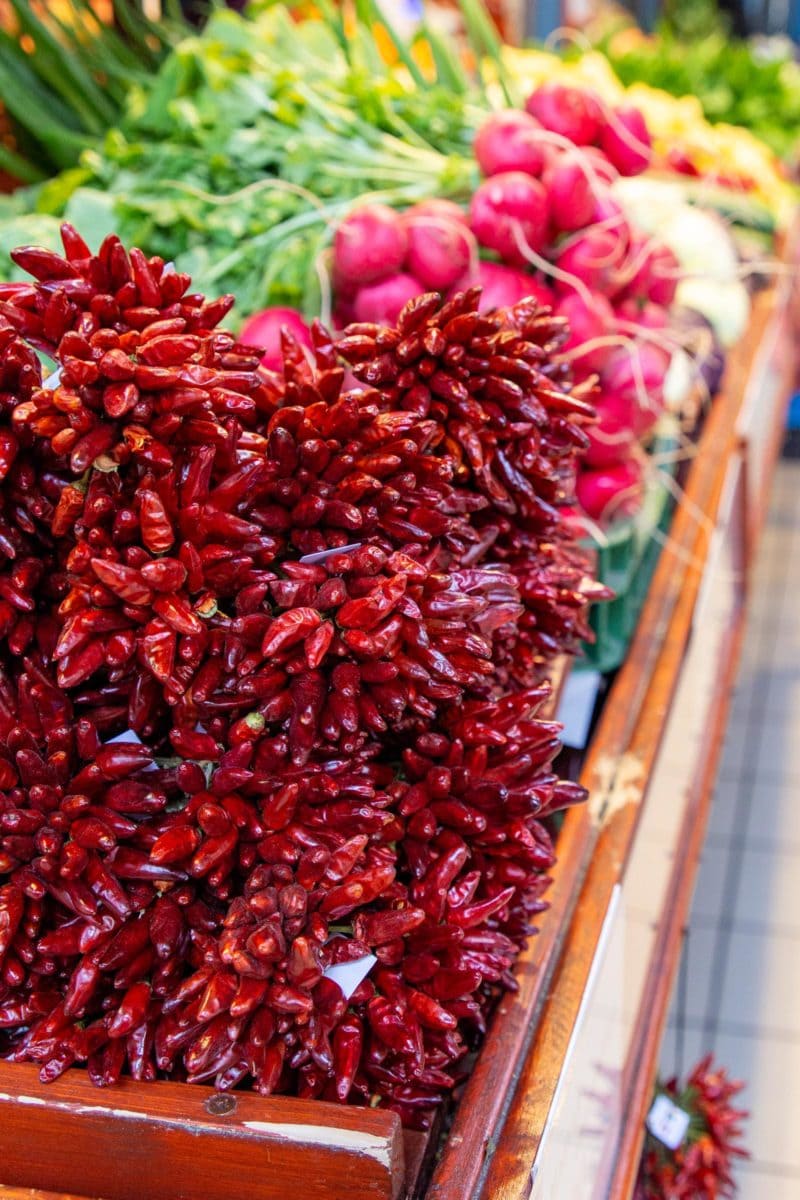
{"points": [[587, 322], [594, 257], [612, 439], [447, 209], [370, 244], [646, 314], [542, 294], [608, 213], [508, 209], [263, 330], [599, 164], [344, 311], [439, 250], [575, 113], [610, 492], [383, 302], [503, 287], [569, 191], [509, 141], [656, 274], [626, 140], [636, 373], [664, 276]]}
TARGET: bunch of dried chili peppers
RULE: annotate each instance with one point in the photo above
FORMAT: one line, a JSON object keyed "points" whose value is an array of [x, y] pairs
{"points": [[272, 649], [701, 1168]]}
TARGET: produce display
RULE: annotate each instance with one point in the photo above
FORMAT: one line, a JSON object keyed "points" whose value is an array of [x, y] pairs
{"points": [[304, 504], [203, 173], [722, 166], [273, 652], [701, 1166], [211, 167], [546, 221]]}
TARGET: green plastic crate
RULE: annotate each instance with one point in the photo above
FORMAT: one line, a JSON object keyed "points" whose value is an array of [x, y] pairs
{"points": [[626, 564]]}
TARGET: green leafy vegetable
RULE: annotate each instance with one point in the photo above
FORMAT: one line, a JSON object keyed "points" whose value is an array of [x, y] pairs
{"points": [[65, 79], [253, 140]]}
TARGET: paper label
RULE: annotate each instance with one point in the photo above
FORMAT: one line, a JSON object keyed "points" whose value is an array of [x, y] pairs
{"points": [[127, 736], [576, 706], [53, 380], [667, 1122], [349, 975]]}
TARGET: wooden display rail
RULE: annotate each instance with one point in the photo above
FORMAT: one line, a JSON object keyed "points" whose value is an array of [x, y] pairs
{"points": [[154, 1141], [761, 420], [699, 585]]}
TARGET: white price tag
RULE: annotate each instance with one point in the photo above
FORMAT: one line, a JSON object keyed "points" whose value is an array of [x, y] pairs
{"points": [[127, 736], [348, 975], [667, 1122], [53, 380], [576, 706]]}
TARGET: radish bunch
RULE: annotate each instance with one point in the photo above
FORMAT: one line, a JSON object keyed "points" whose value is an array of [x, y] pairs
{"points": [[382, 259], [543, 221], [546, 209]]}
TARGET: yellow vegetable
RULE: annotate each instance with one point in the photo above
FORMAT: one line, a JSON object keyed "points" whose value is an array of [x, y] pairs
{"points": [[675, 124]]}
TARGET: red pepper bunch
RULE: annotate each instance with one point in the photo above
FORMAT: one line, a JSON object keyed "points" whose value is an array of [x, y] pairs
{"points": [[509, 428], [113, 289], [327, 614], [29, 491], [494, 385], [702, 1166]]}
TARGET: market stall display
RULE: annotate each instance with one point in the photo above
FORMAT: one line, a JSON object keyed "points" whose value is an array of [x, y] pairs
{"points": [[749, 85], [724, 166]]}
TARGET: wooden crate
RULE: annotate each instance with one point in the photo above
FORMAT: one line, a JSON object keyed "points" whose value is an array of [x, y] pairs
{"points": [[165, 1141]]}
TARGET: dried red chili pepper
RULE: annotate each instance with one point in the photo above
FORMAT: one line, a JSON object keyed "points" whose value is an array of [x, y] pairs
{"points": [[346, 746]]}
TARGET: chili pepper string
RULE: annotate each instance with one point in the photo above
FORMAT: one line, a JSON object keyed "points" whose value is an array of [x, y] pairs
{"points": [[701, 1168], [335, 758]]}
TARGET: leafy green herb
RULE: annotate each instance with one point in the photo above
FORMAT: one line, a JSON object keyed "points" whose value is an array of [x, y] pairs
{"points": [[64, 81], [253, 140]]}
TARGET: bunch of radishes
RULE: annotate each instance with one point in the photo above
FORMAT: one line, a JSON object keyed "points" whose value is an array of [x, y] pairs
{"points": [[544, 221], [547, 206]]}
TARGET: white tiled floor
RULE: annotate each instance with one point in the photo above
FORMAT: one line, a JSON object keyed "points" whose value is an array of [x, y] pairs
{"points": [[741, 992]]}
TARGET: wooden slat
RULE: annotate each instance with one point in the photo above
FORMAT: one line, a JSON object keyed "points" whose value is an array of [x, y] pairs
{"points": [[14, 1193], [168, 1141]]}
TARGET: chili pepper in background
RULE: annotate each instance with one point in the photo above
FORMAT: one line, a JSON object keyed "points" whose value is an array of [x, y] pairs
{"points": [[702, 1165]]}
